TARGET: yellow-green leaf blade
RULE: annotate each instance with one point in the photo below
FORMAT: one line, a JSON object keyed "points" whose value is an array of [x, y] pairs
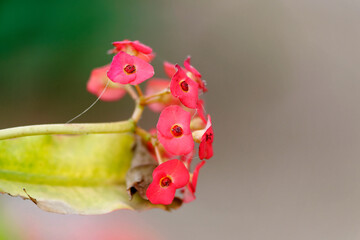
{"points": [[83, 174]]}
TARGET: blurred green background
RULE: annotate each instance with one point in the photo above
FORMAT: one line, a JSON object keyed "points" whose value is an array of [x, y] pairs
{"points": [[49, 48], [283, 79]]}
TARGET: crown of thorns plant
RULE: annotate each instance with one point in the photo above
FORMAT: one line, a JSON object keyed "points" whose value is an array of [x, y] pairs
{"points": [[182, 121]]}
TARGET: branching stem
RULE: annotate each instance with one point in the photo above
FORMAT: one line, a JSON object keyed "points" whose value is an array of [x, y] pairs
{"points": [[148, 99], [137, 112], [145, 135]]}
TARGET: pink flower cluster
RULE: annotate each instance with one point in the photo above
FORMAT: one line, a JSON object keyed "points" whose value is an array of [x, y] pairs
{"points": [[182, 121]]}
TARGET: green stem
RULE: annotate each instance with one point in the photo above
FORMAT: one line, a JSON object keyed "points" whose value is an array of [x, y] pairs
{"points": [[76, 128], [137, 112], [145, 135]]}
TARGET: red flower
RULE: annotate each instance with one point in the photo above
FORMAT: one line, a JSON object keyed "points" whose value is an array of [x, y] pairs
{"points": [[174, 131], [190, 189], [194, 74], [167, 177], [127, 69], [191, 72], [157, 85], [97, 82], [134, 48], [205, 148], [184, 88]]}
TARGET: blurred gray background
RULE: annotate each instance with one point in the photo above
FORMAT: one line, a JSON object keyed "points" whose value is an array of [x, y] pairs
{"points": [[283, 79]]}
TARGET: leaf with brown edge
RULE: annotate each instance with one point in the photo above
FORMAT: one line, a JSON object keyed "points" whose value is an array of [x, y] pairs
{"points": [[81, 174]]}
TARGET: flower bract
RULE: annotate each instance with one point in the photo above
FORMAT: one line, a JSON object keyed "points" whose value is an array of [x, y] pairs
{"points": [[167, 177], [127, 69], [194, 74], [184, 88], [174, 131]]}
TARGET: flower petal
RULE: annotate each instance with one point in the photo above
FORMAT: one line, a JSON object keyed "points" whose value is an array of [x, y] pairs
{"points": [[196, 174], [179, 175], [144, 70], [116, 72], [200, 110], [176, 170], [160, 195], [205, 147], [170, 116], [190, 68], [177, 145], [141, 47]]}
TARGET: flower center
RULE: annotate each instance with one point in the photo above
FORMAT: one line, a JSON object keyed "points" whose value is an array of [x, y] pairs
{"points": [[184, 86], [129, 69], [209, 137], [165, 182], [177, 131]]}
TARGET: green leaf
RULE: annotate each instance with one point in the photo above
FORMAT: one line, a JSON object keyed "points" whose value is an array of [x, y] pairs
{"points": [[81, 174]]}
